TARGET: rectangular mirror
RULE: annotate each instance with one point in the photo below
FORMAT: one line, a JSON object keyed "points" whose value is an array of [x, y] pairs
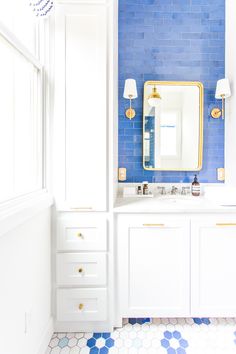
{"points": [[173, 126]]}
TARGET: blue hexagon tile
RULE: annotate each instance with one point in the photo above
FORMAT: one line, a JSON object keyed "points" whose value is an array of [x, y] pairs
{"points": [[153, 336], [200, 321], [138, 320], [174, 343], [100, 343]]}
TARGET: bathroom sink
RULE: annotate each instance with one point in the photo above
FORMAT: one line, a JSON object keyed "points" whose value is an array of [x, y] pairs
{"points": [[188, 200]]}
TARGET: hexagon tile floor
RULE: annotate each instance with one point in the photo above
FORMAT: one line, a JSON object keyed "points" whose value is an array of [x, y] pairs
{"points": [[153, 336]]}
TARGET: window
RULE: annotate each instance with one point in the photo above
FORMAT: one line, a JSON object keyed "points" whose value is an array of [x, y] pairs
{"points": [[170, 131], [21, 114]]}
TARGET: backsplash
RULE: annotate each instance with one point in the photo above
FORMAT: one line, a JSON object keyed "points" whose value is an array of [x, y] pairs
{"points": [[171, 40]]}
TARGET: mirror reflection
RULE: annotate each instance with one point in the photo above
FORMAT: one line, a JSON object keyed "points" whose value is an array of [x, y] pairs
{"points": [[173, 126]]}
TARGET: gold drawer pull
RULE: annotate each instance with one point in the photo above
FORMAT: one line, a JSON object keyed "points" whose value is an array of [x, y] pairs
{"points": [[149, 225], [82, 208], [81, 306], [226, 224], [80, 235], [80, 270]]}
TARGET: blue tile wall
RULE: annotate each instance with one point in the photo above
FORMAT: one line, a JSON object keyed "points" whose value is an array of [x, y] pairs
{"points": [[171, 40]]}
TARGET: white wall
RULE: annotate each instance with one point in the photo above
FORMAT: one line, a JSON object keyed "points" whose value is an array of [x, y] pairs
{"points": [[230, 120], [25, 286]]}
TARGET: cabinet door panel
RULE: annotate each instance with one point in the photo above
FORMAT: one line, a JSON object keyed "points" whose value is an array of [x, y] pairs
{"points": [[213, 268], [81, 108], [154, 267]]}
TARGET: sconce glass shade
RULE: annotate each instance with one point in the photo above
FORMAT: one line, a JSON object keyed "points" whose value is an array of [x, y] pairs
{"points": [[130, 90], [154, 98], [223, 89]]}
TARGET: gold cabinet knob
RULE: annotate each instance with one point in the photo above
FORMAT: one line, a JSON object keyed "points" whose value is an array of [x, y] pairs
{"points": [[81, 306], [80, 270], [80, 235]]}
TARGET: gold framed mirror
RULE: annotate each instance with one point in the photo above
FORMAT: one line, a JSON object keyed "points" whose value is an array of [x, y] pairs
{"points": [[173, 126]]}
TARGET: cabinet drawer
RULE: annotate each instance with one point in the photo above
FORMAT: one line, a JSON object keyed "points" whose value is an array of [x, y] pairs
{"points": [[81, 269], [81, 304], [81, 234]]}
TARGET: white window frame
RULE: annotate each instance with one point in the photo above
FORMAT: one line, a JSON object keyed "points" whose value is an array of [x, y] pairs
{"points": [[16, 43], [28, 203]]}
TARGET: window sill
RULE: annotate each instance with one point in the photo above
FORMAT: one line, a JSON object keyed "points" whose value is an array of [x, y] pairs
{"points": [[18, 211]]}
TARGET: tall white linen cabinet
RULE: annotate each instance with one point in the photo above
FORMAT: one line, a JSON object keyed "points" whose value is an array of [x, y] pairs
{"points": [[85, 167]]}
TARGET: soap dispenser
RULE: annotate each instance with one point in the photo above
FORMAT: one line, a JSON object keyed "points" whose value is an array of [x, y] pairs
{"points": [[196, 187]]}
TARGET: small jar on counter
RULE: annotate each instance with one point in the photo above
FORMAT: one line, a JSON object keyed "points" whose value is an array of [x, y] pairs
{"points": [[145, 188], [139, 190]]}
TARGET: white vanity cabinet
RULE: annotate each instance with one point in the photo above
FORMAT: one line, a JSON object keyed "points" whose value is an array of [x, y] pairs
{"points": [[153, 266], [213, 267], [176, 265]]}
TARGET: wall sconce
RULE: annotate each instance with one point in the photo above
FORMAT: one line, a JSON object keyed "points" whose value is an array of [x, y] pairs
{"points": [[222, 92], [130, 93], [154, 98]]}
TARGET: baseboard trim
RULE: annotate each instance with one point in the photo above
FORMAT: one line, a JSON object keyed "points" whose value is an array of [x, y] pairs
{"points": [[82, 327], [46, 337]]}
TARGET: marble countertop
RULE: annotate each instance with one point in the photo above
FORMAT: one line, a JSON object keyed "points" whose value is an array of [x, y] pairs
{"points": [[172, 204]]}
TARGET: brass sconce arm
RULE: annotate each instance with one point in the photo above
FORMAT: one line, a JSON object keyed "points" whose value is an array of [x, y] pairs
{"points": [[130, 112], [217, 112]]}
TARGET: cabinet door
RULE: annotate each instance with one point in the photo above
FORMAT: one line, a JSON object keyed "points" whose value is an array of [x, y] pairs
{"points": [[81, 106], [213, 268], [153, 266]]}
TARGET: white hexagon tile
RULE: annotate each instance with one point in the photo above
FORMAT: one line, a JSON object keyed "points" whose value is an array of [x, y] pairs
{"points": [[153, 336]]}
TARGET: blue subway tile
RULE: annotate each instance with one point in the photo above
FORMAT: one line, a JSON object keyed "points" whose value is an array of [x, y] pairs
{"points": [[171, 40]]}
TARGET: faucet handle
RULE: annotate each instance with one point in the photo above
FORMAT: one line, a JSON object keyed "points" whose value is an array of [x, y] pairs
{"points": [[174, 190], [162, 190], [185, 190]]}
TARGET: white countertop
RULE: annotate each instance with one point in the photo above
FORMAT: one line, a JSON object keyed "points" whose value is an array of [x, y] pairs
{"points": [[172, 204]]}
